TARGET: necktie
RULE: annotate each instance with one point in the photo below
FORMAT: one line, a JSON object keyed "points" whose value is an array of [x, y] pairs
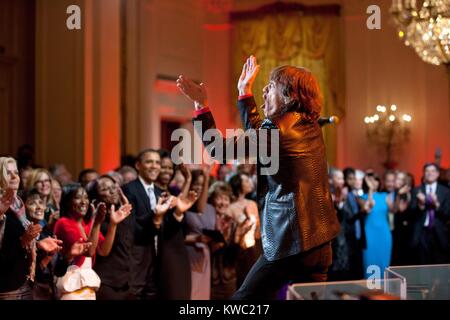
{"points": [[429, 207], [151, 195], [355, 210]]}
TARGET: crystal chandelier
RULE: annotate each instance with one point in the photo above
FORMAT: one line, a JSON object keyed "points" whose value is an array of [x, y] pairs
{"points": [[425, 26]]}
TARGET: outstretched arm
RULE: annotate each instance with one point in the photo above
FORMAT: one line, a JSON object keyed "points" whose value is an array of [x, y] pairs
{"points": [[247, 107], [204, 120]]}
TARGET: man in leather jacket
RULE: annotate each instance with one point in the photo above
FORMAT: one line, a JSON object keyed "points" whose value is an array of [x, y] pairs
{"points": [[298, 220]]}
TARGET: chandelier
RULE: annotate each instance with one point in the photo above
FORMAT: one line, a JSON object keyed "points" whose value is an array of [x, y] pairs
{"points": [[425, 27], [388, 130]]}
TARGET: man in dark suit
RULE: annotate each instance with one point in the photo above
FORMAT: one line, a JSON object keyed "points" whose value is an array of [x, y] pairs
{"points": [[297, 213], [430, 206], [158, 235], [144, 197]]}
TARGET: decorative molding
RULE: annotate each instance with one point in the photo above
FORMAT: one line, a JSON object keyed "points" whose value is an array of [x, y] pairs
{"points": [[285, 7]]}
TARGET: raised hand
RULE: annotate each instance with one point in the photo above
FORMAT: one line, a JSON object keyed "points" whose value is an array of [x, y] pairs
{"points": [[50, 245], [370, 183], [404, 189], [99, 213], [185, 172], [6, 200], [123, 198], [184, 203], [249, 72], [30, 234], [195, 92], [207, 170], [118, 216]]}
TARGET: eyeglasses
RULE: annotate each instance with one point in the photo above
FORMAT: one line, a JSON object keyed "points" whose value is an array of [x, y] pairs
{"points": [[43, 181]]}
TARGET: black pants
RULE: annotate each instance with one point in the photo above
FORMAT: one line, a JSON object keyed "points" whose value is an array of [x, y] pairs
{"points": [[143, 266], [430, 250], [267, 277], [245, 261], [110, 293]]}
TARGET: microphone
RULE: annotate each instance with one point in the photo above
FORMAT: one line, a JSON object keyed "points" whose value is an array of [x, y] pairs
{"points": [[324, 120]]}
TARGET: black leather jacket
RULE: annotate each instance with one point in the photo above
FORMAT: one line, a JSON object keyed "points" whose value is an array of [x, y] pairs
{"points": [[297, 213]]}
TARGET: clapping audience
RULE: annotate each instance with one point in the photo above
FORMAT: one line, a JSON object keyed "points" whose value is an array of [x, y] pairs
{"points": [[190, 232]]}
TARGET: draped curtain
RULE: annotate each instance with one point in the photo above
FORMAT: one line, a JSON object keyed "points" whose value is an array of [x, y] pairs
{"points": [[311, 41]]}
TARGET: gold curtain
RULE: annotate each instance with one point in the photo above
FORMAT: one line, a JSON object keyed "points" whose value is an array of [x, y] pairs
{"points": [[310, 41]]}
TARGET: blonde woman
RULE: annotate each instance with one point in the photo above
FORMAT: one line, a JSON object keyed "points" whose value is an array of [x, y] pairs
{"points": [[17, 237], [41, 180]]}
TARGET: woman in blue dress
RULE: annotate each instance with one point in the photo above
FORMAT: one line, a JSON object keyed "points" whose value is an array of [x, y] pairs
{"points": [[377, 254]]}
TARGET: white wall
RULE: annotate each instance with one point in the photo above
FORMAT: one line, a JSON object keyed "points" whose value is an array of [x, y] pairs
{"points": [[170, 38]]}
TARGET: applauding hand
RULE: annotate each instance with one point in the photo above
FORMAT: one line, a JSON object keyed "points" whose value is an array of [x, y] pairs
{"points": [[79, 248], [165, 202], [183, 203], [30, 234], [99, 213], [50, 245], [121, 214]]}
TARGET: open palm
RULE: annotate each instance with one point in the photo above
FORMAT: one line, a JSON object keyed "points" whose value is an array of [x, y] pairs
{"points": [[99, 212], [50, 245], [195, 92], [249, 72], [117, 216], [184, 203]]}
